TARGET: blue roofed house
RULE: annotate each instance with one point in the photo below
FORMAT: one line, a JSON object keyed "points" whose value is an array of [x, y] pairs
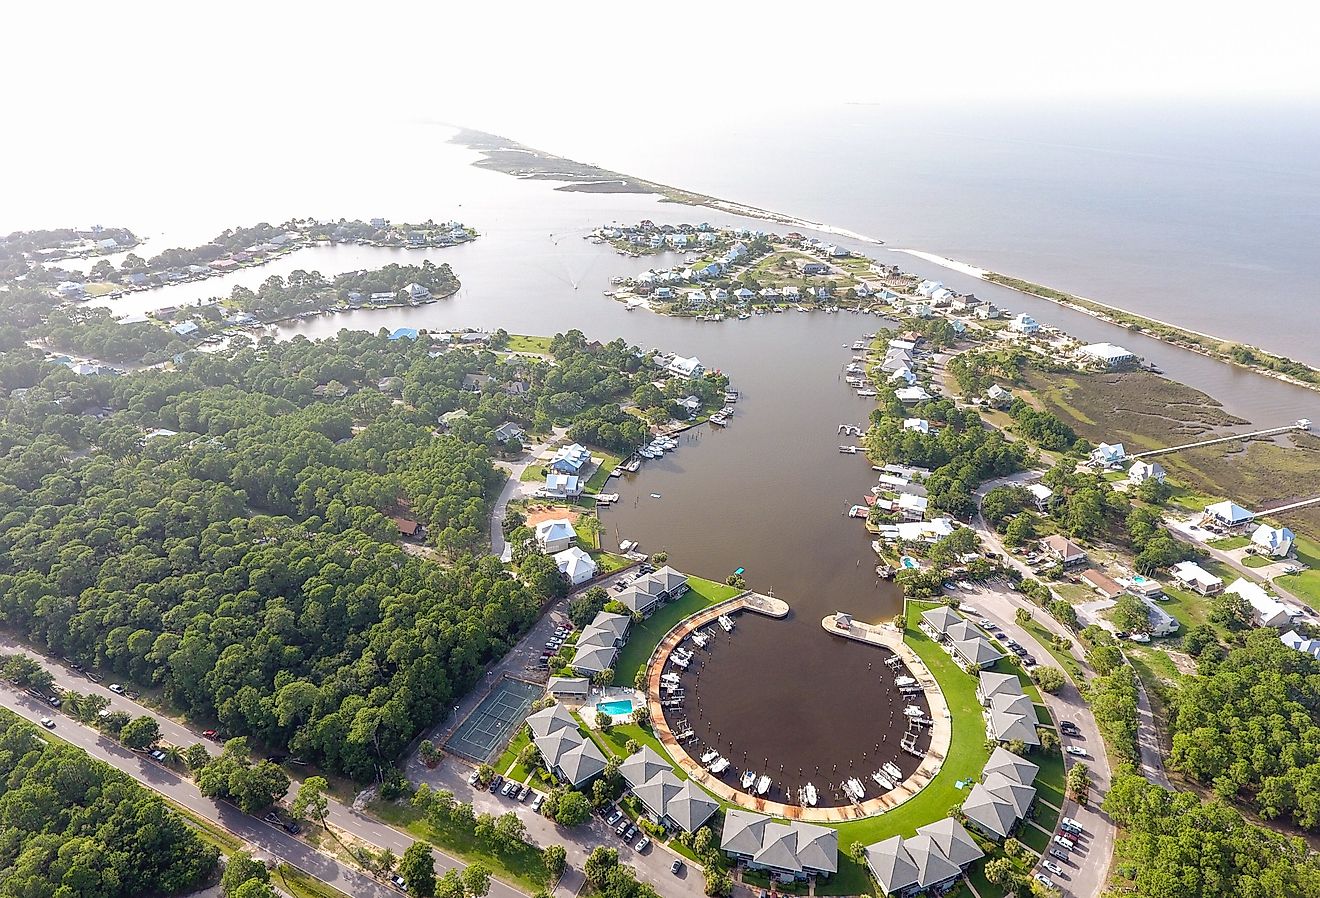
{"points": [[1274, 541], [403, 333], [185, 328], [571, 459]]}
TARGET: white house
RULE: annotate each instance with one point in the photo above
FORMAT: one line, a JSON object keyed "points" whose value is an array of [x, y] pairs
{"points": [[913, 508], [987, 311], [1227, 514], [1276, 541], [911, 395], [904, 374], [1108, 354], [571, 459], [555, 536], [562, 486], [998, 395], [416, 292], [1294, 640], [576, 565], [1107, 455], [1024, 324], [1042, 495], [1266, 611], [926, 288], [1141, 471], [920, 425], [685, 367], [1196, 578]]}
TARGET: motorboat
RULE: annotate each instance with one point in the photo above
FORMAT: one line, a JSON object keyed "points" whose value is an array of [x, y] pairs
{"points": [[726, 622], [890, 768], [913, 711], [856, 791], [721, 764], [709, 756], [882, 781], [747, 779], [807, 794], [763, 785]]}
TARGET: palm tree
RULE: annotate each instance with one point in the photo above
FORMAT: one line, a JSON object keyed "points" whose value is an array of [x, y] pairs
{"points": [[173, 755]]}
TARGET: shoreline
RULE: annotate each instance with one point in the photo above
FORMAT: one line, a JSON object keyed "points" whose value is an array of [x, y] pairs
{"points": [[586, 175]]}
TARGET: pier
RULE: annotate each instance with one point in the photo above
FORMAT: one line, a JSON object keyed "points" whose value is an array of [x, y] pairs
{"points": [[1302, 424]]}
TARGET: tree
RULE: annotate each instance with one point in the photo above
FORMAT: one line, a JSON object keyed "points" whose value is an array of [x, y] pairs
{"points": [[641, 716], [1022, 616], [1021, 529], [387, 861], [599, 864], [254, 889], [418, 870], [1049, 679], [603, 721], [510, 830], [140, 733], [1000, 871], [555, 858], [718, 882], [603, 678], [429, 754], [196, 757], [476, 880], [660, 558], [240, 868], [1199, 638], [1130, 613], [311, 802], [573, 810]]}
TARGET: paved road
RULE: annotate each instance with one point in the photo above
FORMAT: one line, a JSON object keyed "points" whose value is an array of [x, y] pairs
{"points": [[1088, 868], [340, 815]]}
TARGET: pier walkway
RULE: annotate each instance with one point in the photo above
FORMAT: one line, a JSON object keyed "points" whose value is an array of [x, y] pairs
{"points": [[1268, 432]]}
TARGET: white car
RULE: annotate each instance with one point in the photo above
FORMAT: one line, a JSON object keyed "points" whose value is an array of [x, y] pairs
{"points": [[1076, 750], [116, 689], [48, 723], [1071, 825], [1140, 637], [1052, 867], [1044, 880]]}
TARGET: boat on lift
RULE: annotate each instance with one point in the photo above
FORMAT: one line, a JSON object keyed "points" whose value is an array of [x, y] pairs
{"points": [[763, 785], [709, 756]]}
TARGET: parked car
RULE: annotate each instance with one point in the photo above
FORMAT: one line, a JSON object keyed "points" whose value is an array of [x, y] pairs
{"points": [[1076, 750], [643, 843], [614, 817], [48, 723], [472, 777], [508, 788], [538, 801], [211, 734], [1052, 867], [495, 782], [630, 833], [116, 689], [676, 867], [54, 701], [622, 828], [1065, 842], [1069, 728], [1058, 852], [158, 755], [1071, 826], [397, 881], [1044, 880]]}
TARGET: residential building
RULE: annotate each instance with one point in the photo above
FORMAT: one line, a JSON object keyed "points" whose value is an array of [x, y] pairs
{"points": [[1108, 355], [409, 529], [415, 293], [998, 396], [912, 508], [647, 593], [920, 425], [987, 311], [1062, 549], [976, 653], [991, 684], [788, 851], [1010, 718], [1196, 578], [599, 643], [1024, 324], [1294, 640], [1275, 541], [1107, 456], [1142, 471], [568, 753], [912, 395], [672, 802], [1266, 611], [1102, 583], [907, 867], [555, 535], [562, 486], [1042, 495], [1228, 515], [509, 431], [576, 565], [680, 366], [571, 459], [573, 688]]}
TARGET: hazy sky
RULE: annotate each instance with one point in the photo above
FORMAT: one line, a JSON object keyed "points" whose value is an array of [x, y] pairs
{"points": [[491, 63]]}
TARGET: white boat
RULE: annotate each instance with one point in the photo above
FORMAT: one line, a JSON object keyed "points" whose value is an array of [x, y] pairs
{"points": [[763, 785], [721, 764], [719, 420], [744, 316], [633, 466], [848, 450], [882, 781], [680, 662], [807, 794], [855, 789], [900, 682], [748, 778], [859, 345], [709, 756], [866, 393], [726, 623], [700, 639], [913, 711], [891, 768], [646, 453], [627, 545]]}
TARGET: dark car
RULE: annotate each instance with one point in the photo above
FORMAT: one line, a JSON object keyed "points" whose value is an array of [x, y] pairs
{"points": [[495, 783], [1069, 728]]}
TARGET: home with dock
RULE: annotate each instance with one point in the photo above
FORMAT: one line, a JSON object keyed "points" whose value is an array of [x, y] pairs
{"points": [[568, 753], [555, 536], [1107, 355], [930, 862], [572, 459], [1002, 799], [1107, 455], [1141, 471], [562, 486], [672, 802], [787, 851]]}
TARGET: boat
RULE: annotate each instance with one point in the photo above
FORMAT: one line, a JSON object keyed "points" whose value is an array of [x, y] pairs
{"points": [[700, 639], [891, 768], [744, 316], [858, 511], [859, 345], [866, 393], [709, 756], [726, 622], [633, 466], [646, 453], [763, 785], [719, 419], [721, 764], [655, 495], [807, 794], [627, 545], [856, 791], [730, 395], [904, 681], [617, 472], [747, 779], [913, 711], [848, 450], [882, 781]]}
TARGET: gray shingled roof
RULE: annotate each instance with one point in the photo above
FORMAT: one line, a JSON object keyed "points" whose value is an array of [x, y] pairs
{"points": [[939, 619], [582, 763], [989, 811], [891, 866], [1007, 726], [992, 684], [794, 846], [1004, 761], [932, 866], [955, 842], [547, 720], [691, 807], [743, 831], [977, 651], [1016, 794], [640, 767]]}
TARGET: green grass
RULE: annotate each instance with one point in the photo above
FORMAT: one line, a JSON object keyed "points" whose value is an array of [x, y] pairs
{"points": [[1306, 585], [609, 463], [1065, 659], [1045, 815], [302, 885], [532, 472], [643, 638], [1229, 542], [1033, 838], [1051, 769], [1257, 561], [852, 878], [509, 756], [608, 562], [524, 343], [523, 867], [984, 887], [1189, 608]]}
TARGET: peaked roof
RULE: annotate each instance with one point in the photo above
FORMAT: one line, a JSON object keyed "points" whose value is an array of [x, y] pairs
{"points": [[977, 650], [1004, 761], [743, 831], [691, 807], [548, 720], [642, 766], [955, 842], [581, 763], [932, 866], [989, 811], [993, 684], [1016, 794], [890, 864], [1229, 511], [941, 618], [1014, 704], [1008, 726]]}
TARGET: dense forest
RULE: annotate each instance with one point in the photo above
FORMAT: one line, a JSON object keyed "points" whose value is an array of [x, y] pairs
{"points": [[1247, 725], [73, 827], [247, 564], [302, 291]]}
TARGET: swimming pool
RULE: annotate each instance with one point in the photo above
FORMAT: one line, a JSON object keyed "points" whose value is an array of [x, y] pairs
{"points": [[617, 707], [909, 562]]}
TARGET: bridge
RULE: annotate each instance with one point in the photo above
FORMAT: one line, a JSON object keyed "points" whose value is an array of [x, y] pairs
{"points": [[1301, 424]]}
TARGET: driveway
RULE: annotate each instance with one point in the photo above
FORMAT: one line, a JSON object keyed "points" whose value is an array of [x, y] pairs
{"points": [[1088, 868], [514, 488]]}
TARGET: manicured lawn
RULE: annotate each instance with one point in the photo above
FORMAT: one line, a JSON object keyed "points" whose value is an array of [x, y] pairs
{"points": [[1257, 561], [1229, 542], [1034, 838], [506, 760], [1051, 768], [301, 885], [643, 639], [1065, 659], [524, 343], [984, 887], [532, 473], [608, 562], [853, 878], [1189, 608], [1045, 815], [523, 867], [609, 463]]}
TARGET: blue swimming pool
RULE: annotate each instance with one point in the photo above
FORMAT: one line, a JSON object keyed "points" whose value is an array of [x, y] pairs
{"points": [[617, 707], [909, 562]]}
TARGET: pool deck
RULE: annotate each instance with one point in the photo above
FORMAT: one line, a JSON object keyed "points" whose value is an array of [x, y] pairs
{"points": [[886, 637]]}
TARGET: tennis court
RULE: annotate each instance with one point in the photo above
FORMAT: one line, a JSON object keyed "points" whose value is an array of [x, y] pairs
{"points": [[492, 723]]}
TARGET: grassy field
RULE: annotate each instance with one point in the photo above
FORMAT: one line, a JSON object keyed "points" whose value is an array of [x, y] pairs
{"points": [[523, 867], [1033, 838], [524, 343], [1229, 542], [609, 463], [1189, 608], [520, 740], [1306, 585], [642, 639], [1064, 659], [1257, 561]]}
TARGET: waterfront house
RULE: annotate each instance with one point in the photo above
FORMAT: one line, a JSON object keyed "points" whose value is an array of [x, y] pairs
{"points": [[998, 397], [1012, 717], [1146, 588], [576, 565], [1142, 471], [1024, 324], [940, 619], [1062, 549], [509, 431], [1228, 515], [646, 593], [672, 802], [1102, 583], [571, 459], [1004, 762], [562, 486], [912, 507], [415, 293], [787, 851], [903, 374], [1266, 611], [976, 653], [744, 295], [1196, 578], [568, 753], [987, 311], [792, 294], [572, 688], [69, 290], [896, 359], [991, 684], [912, 395], [813, 268], [921, 310], [1108, 355], [1042, 495], [185, 328], [907, 867], [770, 295], [555, 536], [719, 294], [1106, 455], [920, 425], [1296, 641], [928, 288], [685, 367], [403, 333], [1274, 541]]}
